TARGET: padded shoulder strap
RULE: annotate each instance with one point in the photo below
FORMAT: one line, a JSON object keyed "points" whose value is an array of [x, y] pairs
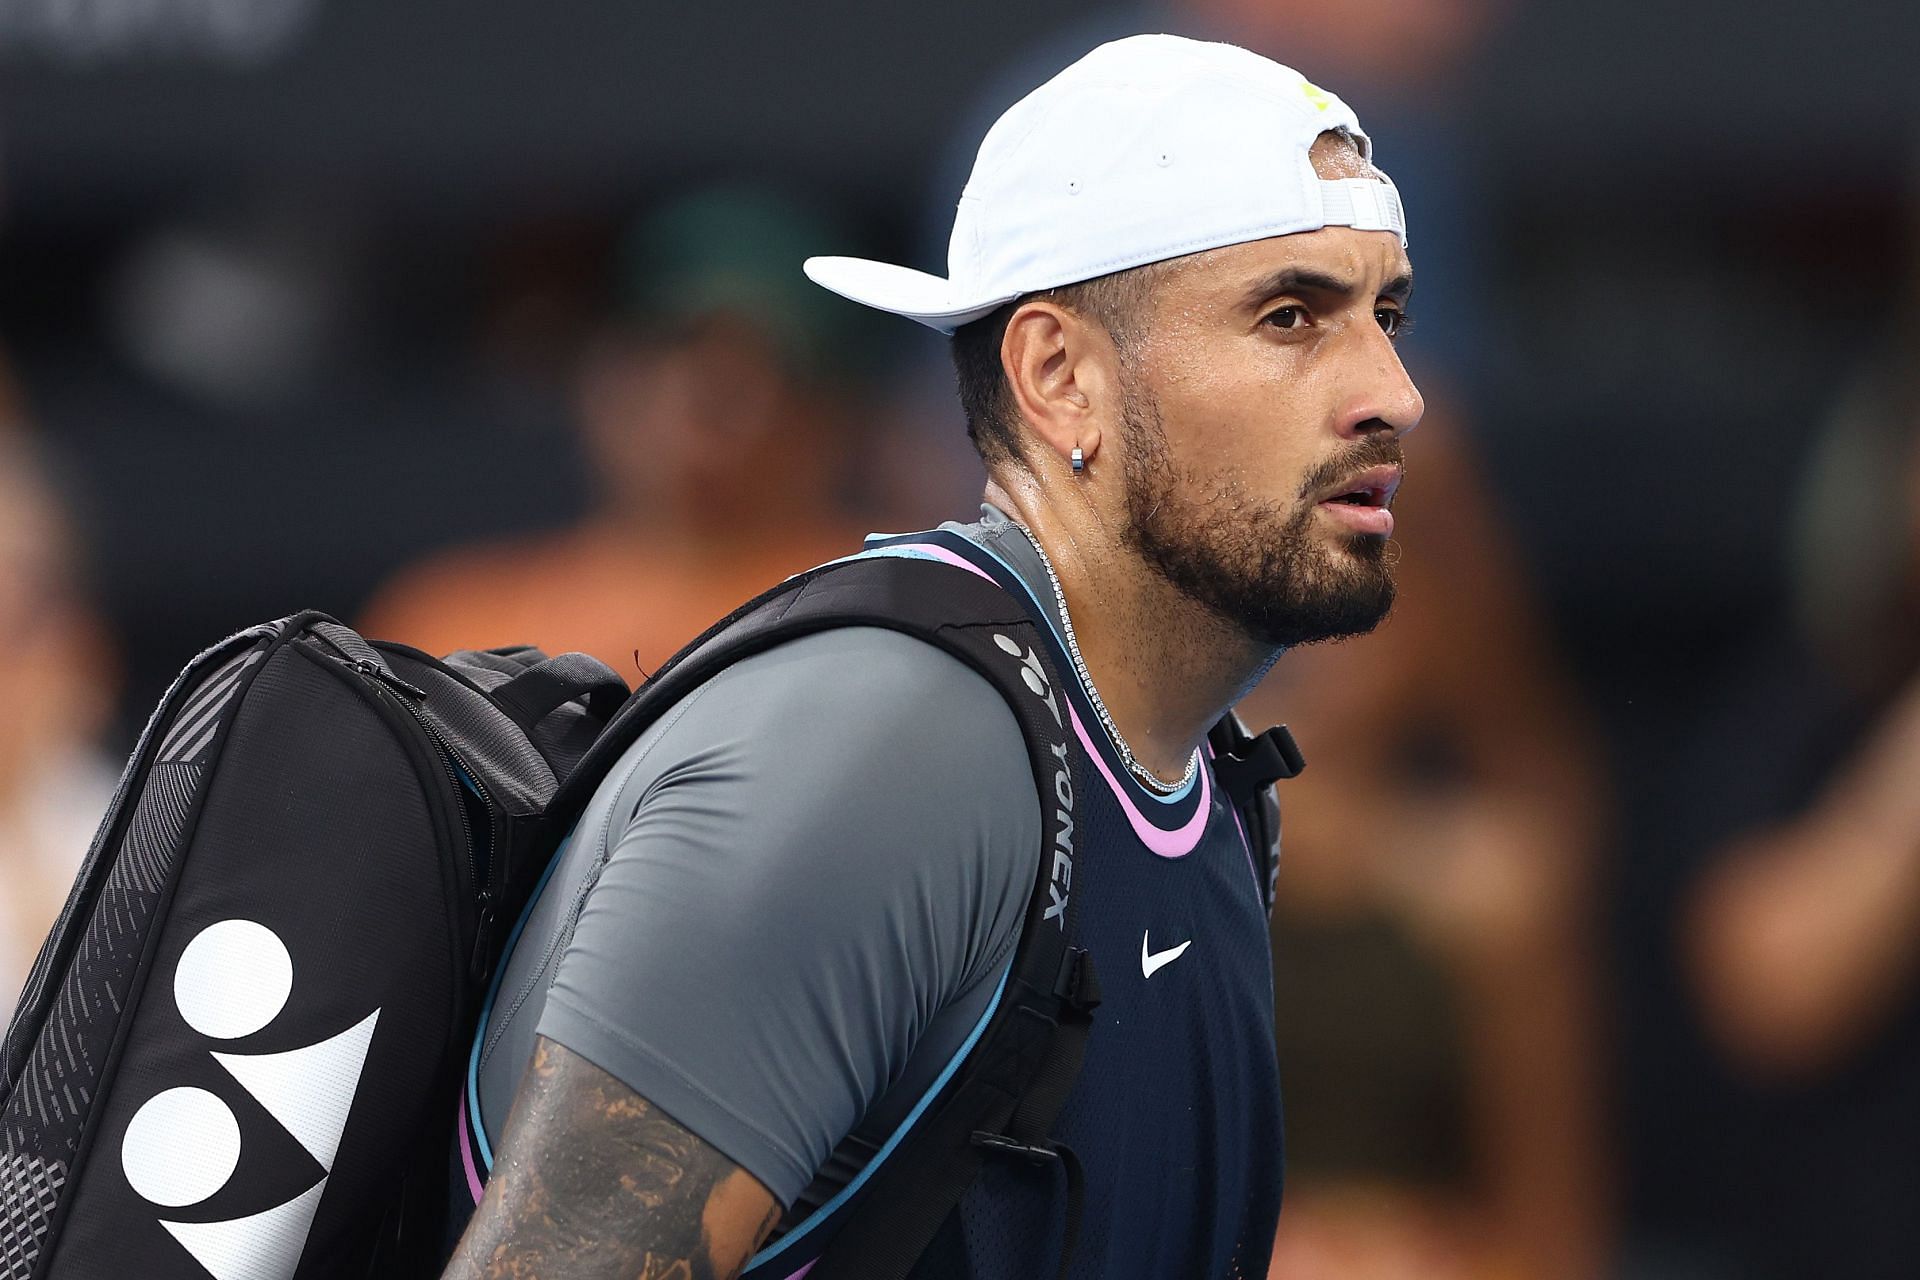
{"points": [[938, 603], [1004, 1099]]}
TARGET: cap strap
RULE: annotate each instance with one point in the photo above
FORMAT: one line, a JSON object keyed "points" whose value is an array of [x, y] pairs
{"points": [[1365, 204]]}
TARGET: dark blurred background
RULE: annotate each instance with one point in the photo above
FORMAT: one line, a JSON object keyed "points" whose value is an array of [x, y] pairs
{"points": [[482, 323]]}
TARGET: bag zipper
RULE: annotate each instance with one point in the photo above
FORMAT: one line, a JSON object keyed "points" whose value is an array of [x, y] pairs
{"points": [[412, 697]]}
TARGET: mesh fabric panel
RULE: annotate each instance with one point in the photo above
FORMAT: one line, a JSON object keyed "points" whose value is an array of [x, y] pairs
{"points": [[1183, 1188]]}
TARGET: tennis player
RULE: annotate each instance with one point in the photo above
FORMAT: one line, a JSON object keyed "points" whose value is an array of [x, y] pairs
{"points": [[1174, 288]]}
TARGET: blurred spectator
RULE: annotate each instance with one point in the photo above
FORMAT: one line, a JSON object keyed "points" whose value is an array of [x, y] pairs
{"points": [[716, 431], [1433, 949], [1804, 928], [1650, 423], [1807, 940], [57, 690]]}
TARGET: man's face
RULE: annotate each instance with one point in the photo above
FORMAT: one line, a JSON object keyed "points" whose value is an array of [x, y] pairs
{"points": [[1264, 405]]}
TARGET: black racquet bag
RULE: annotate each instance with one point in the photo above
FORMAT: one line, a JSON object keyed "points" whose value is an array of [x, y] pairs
{"points": [[237, 1053]]}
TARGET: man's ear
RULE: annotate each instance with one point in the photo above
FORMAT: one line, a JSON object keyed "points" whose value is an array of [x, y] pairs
{"points": [[1063, 370]]}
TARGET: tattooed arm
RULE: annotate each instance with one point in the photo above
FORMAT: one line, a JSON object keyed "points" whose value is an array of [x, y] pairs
{"points": [[593, 1181]]}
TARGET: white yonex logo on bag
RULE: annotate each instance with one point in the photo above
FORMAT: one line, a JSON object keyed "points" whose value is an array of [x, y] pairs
{"points": [[1061, 881], [183, 1145]]}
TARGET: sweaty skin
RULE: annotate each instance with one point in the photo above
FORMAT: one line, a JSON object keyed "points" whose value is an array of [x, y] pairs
{"points": [[1268, 364]]}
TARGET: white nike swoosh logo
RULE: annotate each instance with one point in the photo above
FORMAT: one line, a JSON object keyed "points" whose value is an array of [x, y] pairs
{"points": [[1152, 960]]}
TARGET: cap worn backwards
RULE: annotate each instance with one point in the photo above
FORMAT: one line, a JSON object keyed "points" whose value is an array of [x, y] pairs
{"points": [[1148, 148]]}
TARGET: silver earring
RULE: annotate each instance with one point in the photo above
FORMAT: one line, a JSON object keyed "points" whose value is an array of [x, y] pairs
{"points": [[1079, 460]]}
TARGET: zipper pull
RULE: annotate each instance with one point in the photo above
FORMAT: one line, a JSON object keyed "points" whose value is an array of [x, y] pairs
{"points": [[374, 671], [477, 964]]}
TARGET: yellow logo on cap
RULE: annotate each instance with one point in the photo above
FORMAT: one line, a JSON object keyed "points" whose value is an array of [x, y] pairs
{"points": [[1316, 95]]}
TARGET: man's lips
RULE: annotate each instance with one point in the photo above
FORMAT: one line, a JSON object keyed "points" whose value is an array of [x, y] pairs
{"points": [[1361, 501]]}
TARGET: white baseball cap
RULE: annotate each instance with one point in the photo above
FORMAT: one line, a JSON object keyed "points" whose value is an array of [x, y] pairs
{"points": [[1148, 148]]}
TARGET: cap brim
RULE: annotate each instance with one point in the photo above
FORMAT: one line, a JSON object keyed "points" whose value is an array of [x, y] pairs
{"points": [[928, 299]]}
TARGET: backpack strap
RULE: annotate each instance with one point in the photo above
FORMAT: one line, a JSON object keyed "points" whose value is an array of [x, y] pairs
{"points": [[1007, 1093], [1246, 767], [1010, 1093], [934, 602], [537, 691]]}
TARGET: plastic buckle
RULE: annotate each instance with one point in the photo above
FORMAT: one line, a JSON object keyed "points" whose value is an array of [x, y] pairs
{"points": [[1006, 1146], [1289, 751], [1263, 760], [1076, 983], [1272, 755]]}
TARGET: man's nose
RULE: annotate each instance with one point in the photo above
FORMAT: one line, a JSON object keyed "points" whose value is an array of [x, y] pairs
{"points": [[1387, 403]]}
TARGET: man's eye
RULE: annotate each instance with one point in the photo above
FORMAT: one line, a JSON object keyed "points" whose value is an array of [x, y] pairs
{"points": [[1287, 318], [1392, 321]]}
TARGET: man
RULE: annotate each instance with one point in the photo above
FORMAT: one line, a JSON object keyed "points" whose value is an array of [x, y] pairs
{"points": [[719, 352], [1175, 283]]}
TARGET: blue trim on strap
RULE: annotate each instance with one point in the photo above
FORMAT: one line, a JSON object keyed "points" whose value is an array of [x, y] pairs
{"points": [[486, 1011], [828, 1209]]}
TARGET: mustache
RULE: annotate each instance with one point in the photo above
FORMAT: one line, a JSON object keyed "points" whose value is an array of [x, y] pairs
{"points": [[1381, 450]]}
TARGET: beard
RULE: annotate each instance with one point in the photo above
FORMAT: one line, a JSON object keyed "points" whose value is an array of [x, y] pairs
{"points": [[1259, 566]]}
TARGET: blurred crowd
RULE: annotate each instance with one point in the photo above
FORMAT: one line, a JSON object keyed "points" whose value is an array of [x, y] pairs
{"points": [[1597, 951]]}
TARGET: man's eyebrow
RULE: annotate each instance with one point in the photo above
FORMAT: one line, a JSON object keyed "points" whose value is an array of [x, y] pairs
{"points": [[1309, 280]]}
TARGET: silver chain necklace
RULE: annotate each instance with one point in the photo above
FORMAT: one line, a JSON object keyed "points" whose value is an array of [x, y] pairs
{"points": [[1138, 770]]}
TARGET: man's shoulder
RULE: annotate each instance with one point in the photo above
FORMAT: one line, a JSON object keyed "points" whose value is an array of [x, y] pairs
{"points": [[869, 674], [843, 708]]}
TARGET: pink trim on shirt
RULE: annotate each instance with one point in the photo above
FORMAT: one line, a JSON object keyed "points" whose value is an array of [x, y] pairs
{"points": [[474, 1184], [1168, 844], [943, 555]]}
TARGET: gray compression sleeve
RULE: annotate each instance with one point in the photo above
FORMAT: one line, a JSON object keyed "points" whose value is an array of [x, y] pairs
{"points": [[794, 874]]}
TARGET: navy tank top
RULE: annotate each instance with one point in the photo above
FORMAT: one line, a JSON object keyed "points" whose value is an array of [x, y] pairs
{"points": [[1176, 1116]]}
